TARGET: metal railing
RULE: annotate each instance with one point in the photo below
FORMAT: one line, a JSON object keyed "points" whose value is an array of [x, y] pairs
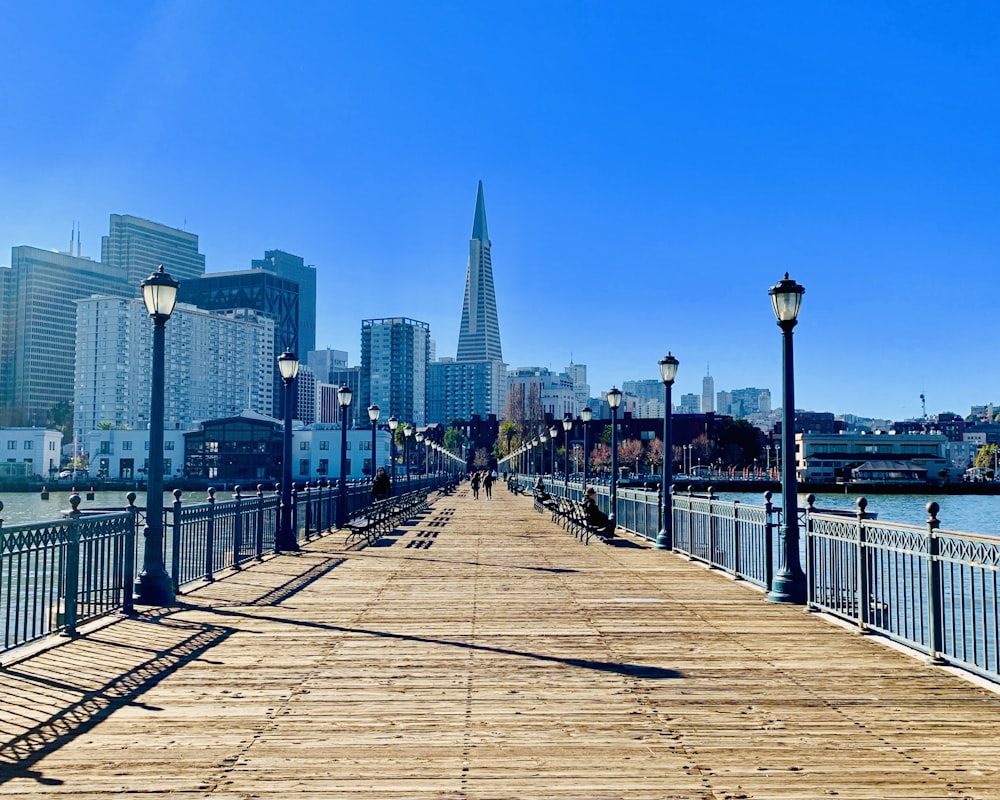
{"points": [[935, 591], [56, 575]]}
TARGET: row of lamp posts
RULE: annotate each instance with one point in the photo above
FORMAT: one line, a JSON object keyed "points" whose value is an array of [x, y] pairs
{"points": [[154, 586]]}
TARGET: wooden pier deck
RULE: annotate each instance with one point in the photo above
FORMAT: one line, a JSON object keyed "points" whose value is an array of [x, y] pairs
{"points": [[482, 652]]}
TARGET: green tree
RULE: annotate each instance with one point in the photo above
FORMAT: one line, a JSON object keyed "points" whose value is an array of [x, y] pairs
{"points": [[986, 458], [455, 440]]}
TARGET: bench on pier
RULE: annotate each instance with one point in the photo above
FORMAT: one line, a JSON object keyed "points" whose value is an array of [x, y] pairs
{"points": [[581, 527], [514, 486], [544, 502], [382, 516]]}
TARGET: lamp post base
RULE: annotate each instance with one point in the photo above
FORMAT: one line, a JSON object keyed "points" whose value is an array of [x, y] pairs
{"points": [[663, 541], [788, 588], [154, 588]]}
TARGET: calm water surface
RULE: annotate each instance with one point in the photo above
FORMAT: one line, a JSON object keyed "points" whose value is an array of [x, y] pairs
{"points": [[958, 513], [20, 508]]}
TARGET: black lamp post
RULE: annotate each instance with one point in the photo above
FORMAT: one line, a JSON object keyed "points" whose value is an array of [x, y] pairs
{"points": [[154, 586], [789, 583], [585, 416], [373, 414], [344, 395], [665, 538], [553, 433], [393, 424], [421, 467], [614, 400], [543, 439], [567, 425], [288, 366], [407, 434]]}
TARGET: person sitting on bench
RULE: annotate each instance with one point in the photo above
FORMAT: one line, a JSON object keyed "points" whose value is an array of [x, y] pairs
{"points": [[596, 517]]}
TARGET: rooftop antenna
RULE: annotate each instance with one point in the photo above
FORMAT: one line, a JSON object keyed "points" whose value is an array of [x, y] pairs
{"points": [[77, 241], [923, 405], [72, 235]]}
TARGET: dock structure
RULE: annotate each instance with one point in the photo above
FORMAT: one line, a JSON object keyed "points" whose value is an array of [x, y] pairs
{"points": [[479, 651]]}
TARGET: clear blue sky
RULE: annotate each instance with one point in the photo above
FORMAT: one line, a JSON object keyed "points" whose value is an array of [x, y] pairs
{"points": [[650, 170]]}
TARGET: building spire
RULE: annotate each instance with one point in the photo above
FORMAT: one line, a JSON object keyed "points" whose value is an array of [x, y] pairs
{"points": [[479, 230]]}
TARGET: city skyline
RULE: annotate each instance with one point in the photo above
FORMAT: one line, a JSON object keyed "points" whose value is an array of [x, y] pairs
{"points": [[652, 171]]}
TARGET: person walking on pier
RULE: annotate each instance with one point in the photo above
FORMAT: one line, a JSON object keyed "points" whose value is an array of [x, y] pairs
{"points": [[475, 485], [488, 485]]}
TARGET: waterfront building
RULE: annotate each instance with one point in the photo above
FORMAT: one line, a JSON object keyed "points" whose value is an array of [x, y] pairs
{"points": [[217, 364], [395, 354], [831, 457], [743, 403], [29, 452], [138, 247], [123, 454], [39, 324], [690, 403], [316, 452], [459, 390]]}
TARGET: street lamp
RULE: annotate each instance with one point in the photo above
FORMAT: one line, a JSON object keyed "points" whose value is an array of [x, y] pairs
{"points": [[393, 424], [344, 395], [665, 538], [373, 414], [585, 416], [407, 434], [614, 400], [420, 438], [553, 433], [567, 424], [154, 586], [288, 366], [789, 583], [543, 439]]}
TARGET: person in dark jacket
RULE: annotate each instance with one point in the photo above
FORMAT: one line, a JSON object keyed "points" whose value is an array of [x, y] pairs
{"points": [[596, 517], [381, 486]]}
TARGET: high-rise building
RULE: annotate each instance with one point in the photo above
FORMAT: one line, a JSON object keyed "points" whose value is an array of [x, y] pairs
{"points": [[479, 336], [217, 365], [740, 403], [395, 353], [306, 388], [293, 268], [258, 290], [555, 392], [581, 389], [690, 403], [139, 246], [39, 324], [459, 390], [707, 394], [324, 362]]}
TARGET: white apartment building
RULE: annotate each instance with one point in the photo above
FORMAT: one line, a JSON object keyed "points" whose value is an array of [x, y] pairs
{"points": [[124, 454], [29, 452], [217, 364]]}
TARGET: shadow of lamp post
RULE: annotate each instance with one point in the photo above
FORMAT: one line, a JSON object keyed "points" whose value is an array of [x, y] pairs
{"points": [[668, 372], [288, 366], [154, 586], [789, 582]]}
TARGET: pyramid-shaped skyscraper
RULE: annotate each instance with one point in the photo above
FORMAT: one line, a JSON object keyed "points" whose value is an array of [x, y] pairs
{"points": [[479, 337]]}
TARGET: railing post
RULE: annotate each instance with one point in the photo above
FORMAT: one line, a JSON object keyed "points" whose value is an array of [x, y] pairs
{"points": [[210, 536], [690, 521], [309, 510], [810, 552], [237, 528], [768, 539], [711, 528], [175, 543], [128, 604], [864, 587], [737, 559], [260, 523], [72, 568], [295, 512], [935, 616]]}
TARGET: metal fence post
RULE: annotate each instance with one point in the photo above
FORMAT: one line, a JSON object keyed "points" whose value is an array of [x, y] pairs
{"points": [[72, 568], [295, 512], [175, 544], [260, 523], [128, 604], [737, 556], [712, 544], [309, 510], [935, 616], [210, 536], [768, 539], [237, 528], [864, 587]]}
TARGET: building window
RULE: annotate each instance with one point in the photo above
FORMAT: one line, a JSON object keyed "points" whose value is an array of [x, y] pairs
{"points": [[168, 445], [324, 444], [126, 445], [303, 466], [324, 466], [167, 466], [106, 447], [28, 444], [52, 445], [304, 445], [11, 444]]}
